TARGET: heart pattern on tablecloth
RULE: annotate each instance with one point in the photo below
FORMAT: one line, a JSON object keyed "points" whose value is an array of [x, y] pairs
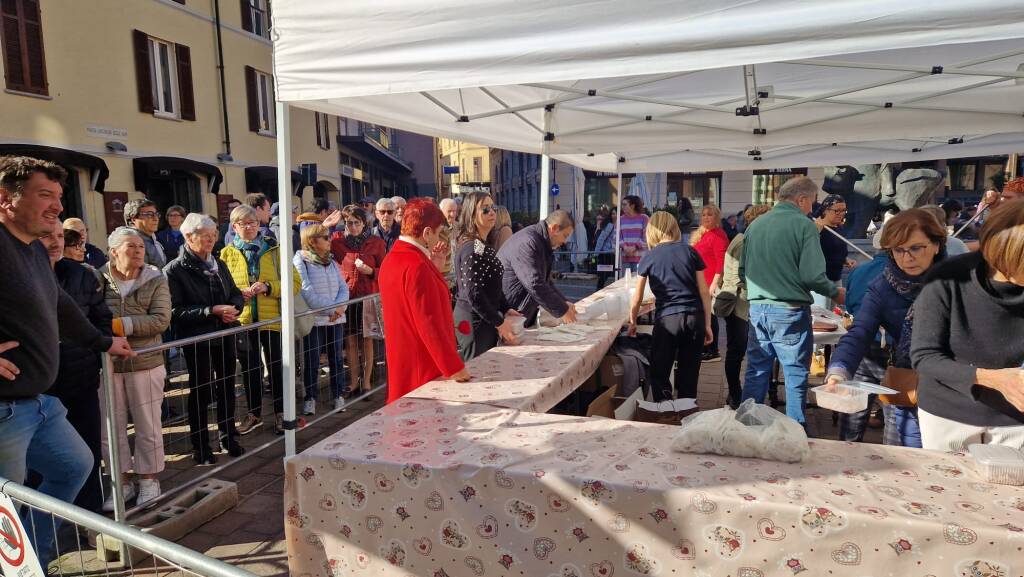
{"points": [[452, 535], [475, 565], [382, 483], [684, 550], [524, 514], [423, 545], [488, 529], [503, 480], [542, 547], [602, 569], [557, 504], [619, 524], [848, 554], [638, 560], [702, 504], [958, 535], [374, 523], [434, 501], [767, 529]]}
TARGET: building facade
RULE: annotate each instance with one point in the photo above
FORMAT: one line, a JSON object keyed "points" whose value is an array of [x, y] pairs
{"points": [[462, 167]]}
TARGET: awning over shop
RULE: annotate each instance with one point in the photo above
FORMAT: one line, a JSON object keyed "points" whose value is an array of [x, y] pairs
{"points": [[374, 152], [148, 167], [257, 176], [323, 187], [97, 167]]}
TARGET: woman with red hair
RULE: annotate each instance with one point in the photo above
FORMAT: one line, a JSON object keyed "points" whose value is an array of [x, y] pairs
{"points": [[419, 331]]}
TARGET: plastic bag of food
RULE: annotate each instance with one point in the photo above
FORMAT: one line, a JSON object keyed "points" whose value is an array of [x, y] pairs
{"points": [[698, 432], [754, 430]]}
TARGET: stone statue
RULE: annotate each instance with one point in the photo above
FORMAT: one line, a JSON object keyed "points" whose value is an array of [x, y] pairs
{"points": [[917, 187], [869, 187]]}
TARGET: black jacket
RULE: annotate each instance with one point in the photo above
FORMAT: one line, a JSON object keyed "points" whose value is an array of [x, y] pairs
{"points": [[79, 371], [527, 259], [94, 257], [195, 291], [388, 237]]}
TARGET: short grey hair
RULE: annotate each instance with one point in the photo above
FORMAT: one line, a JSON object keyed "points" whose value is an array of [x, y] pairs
{"points": [[398, 201], [195, 222], [132, 208], [798, 187], [242, 212], [120, 235], [384, 203], [445, 203], [560, 218]]}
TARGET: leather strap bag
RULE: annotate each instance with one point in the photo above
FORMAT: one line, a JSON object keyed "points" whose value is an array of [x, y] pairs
{"points": [[904, 381]]}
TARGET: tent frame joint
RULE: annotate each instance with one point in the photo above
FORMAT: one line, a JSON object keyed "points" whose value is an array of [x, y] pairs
{"points": [[549, 137], [936, 70], [747, 110], [463, 118]]}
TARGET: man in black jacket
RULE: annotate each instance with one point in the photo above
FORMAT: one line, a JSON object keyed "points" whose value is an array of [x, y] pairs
{"points": [[527, 258], [34, 431], [387, 229]]}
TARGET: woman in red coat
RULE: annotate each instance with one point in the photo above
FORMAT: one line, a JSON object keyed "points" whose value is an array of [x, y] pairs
{"points": [[711, 242], [360, 255], [420, 340]]}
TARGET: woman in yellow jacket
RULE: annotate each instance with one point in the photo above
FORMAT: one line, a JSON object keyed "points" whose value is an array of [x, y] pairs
{"points": [[254, 263]]}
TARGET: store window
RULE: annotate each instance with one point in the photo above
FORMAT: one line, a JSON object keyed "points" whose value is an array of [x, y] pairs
{"points": [[701, 188], [767, 183]]}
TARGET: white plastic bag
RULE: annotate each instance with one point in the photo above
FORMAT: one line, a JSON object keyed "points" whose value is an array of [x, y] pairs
{"points": [[753, 430]]}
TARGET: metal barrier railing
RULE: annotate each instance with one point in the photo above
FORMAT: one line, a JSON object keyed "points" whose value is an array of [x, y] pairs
{"points": [[47, 518], [588, 268], [213, 379]]}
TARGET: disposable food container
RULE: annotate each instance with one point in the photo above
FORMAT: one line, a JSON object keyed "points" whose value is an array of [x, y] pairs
{"points": [[841, 398], [998, 463]]}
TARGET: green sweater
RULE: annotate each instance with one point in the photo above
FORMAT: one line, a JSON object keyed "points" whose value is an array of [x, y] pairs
{"points": [[782, 260]]}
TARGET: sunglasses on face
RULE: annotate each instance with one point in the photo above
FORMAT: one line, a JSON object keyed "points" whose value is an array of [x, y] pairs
{"points": [[487, 210], [385, 212]]}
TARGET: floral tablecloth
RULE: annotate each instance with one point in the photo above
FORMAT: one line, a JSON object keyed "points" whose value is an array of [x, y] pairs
{"points": [[433, 488]]}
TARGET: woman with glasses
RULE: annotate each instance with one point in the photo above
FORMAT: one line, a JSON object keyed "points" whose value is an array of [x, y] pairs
{"points": [[170, 238], [74, 246], [967, 345], [481, 316], [322, 285], [832, 213], [253, 259], [360, 255], [914, 240]]}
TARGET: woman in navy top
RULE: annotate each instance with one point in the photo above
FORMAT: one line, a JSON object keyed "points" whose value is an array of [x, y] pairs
{"points": [[682, 307]]}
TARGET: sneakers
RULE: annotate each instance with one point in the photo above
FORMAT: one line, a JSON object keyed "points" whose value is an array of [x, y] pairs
{"points": [[710, 358], [129, 493], [149, 489], [249, 424], [339, 403], [309, 407], [231, 446]]}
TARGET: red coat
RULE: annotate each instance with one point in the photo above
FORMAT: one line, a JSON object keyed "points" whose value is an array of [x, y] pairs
{"points": [[372, 254], [711, 247], [419, 330]]}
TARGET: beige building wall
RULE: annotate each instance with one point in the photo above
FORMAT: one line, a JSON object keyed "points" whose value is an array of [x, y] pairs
{"points": [[473, 160], [90, 69]]}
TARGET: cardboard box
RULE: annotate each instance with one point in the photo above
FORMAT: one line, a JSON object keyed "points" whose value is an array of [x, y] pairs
{"points": [[609, 373], [610, 405]]}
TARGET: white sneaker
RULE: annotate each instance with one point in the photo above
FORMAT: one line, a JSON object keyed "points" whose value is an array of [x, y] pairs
{"points": [[149, 489], [309, 407], [129, 493], [339, 403]]}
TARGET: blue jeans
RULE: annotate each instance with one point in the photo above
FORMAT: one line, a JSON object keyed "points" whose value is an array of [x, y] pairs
{"points": [[326, 337], [35, 434], [907, 428], [783, 333]]}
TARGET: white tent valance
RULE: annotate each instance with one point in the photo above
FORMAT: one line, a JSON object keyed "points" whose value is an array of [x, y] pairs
{"points": [[670, 85]]}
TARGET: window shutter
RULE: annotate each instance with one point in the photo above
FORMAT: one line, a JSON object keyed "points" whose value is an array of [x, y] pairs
{"points": [[14, 67], [143, 81], [22, 32], [33, 26], [185, 92], [247, 16], [327, 130], [252, 95], [316, 120]]}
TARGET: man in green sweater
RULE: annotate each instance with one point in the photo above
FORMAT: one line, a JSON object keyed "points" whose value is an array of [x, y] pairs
{"points": [[782, 263]]}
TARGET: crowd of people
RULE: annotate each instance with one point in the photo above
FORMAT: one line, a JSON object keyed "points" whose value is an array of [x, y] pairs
{"points": [[455, 280]]}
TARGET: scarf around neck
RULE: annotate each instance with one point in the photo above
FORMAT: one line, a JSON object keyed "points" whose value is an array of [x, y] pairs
{"points": [[252, 251], [311, 257], [908, 287], [356, 241]]}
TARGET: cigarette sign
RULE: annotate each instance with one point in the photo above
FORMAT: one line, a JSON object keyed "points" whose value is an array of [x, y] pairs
{"points": [[17, 558]]}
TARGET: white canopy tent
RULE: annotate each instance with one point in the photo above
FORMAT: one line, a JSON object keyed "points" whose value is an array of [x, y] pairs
{"points": [[661, 85]]}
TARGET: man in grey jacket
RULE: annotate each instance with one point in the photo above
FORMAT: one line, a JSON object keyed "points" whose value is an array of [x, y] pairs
{"points": [[143, 216], [527, 258]]}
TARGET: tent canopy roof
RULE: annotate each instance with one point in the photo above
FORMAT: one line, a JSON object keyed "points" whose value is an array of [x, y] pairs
{"points": [[671, 84]]}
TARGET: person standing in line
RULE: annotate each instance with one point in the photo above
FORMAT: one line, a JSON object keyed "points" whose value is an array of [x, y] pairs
{"points": [[399, 203], [450, 208], [225, 227], [682, 308], [730, 303], [503, 228], [711, 242], [78, 378], [322, 286], [264, 213], [482, 318], [360, 255], [94, 257], [420, 343], [138, 295], [832, 214], [143, 216], [74, 246], [38, 314], [781, 265], [387, 229], [204, 299], [170, 238], [526, 261], [633, 231], [604, 246]]}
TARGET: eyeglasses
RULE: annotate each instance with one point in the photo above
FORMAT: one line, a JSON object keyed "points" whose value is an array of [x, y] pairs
{"points": [[915, 251], [353, 223], [385, 212], [838, 211], [487, 210], [248, 224], [149, 214]]}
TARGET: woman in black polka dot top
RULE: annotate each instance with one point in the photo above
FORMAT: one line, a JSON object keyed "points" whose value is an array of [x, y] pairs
{"points": [[482, 316]]}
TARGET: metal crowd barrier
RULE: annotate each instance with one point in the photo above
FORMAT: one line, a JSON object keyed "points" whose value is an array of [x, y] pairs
{"points": [[70, 525], [205, 355]]}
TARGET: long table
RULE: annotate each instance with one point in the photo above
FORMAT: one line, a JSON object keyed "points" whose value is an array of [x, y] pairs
{"points": [[490, 486]]}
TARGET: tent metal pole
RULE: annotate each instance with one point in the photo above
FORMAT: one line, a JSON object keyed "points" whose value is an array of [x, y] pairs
{"points": [[545, 168], [618, 230], [902, 68], [620, 96], [284, 198]]}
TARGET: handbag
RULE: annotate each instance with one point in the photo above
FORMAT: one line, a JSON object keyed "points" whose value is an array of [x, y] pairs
{"points": [[904, 381], [373, 324]]}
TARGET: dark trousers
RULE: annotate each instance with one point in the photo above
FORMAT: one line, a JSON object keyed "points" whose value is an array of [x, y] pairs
{"points": [[327, 337], [84, 415], [252, 369], [713, 347], [211, 376], [482, 337], [736, 330], [678, 339]]}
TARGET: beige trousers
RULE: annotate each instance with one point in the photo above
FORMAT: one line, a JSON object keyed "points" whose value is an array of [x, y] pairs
{"points": [[140, 392], [941, 434]]}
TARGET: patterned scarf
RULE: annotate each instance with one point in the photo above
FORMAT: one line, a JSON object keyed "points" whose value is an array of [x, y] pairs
{"points": [[355, 242], [311, 257], [252, 251], [908, 287]]}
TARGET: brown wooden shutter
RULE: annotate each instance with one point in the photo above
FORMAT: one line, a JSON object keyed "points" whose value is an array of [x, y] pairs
{"points": [[247, 16], [185, 92], [327, 129], [22, 31], [143, 79], [316, 120], [252, 95]]}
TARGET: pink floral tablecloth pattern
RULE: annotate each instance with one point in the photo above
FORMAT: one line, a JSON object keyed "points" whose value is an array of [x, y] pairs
{"points": [[435, 488]]}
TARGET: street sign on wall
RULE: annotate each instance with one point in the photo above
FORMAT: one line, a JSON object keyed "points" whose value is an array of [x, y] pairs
{"points": [[555, 189]]}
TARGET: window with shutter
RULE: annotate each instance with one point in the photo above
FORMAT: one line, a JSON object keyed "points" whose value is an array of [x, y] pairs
{"points": [[256, 17], [259, 89], [188, 101], [22, 38], [163, 77], [323, 132]]}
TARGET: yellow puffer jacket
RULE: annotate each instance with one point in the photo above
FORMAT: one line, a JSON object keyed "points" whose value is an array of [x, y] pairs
{"points": [[267, 306]]}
